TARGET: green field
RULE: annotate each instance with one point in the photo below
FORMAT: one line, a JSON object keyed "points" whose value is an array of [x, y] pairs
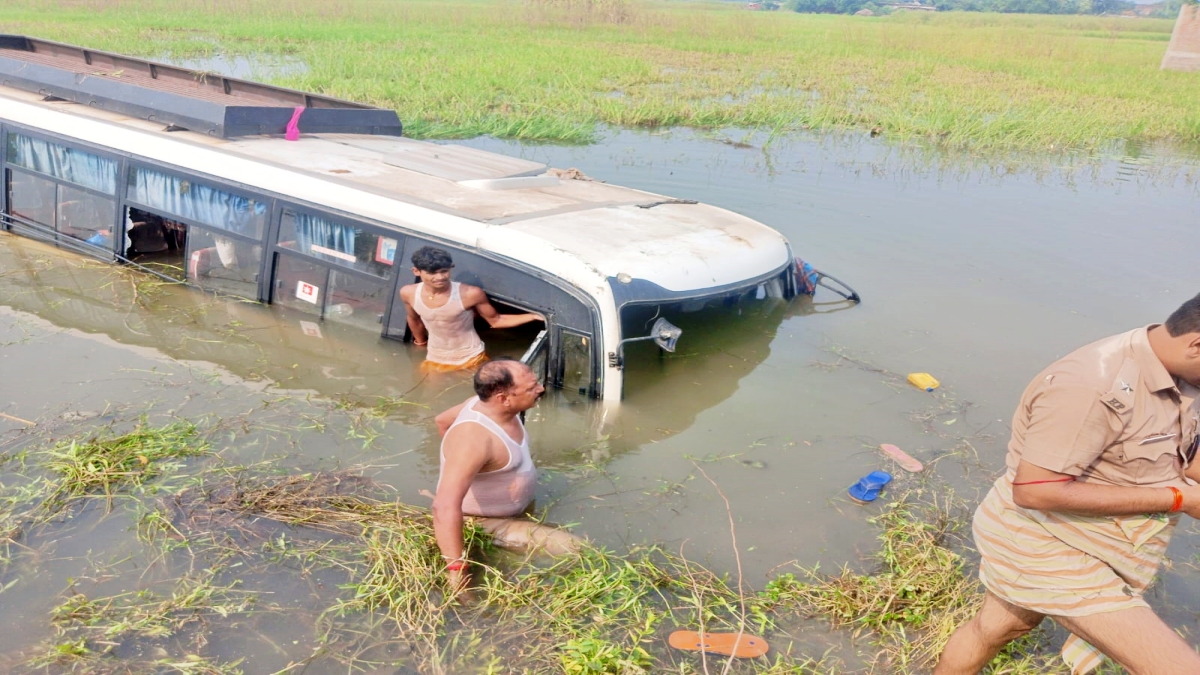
{"points": [[557, 70]]}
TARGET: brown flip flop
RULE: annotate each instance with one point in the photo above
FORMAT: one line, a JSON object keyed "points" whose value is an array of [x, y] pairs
{"points": [[726, 644], [905, 460]]}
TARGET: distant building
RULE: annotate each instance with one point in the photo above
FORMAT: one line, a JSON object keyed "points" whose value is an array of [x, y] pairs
{"points": [[914, 6]]}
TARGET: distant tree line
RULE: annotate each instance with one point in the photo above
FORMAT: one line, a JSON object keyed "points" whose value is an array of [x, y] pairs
{"points": [[1169, 9]]}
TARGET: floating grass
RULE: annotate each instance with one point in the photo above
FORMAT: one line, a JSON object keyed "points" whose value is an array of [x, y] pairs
{"points": [[594, 612], [102, 465], [90, 630]]}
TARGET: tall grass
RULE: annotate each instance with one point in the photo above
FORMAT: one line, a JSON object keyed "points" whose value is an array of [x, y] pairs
{"points": [[554, 70], [590, 612], [919, 591]]}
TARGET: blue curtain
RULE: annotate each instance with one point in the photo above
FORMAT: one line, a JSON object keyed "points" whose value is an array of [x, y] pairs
{"points": [[69, 164], [201, 203], [311, 230]]}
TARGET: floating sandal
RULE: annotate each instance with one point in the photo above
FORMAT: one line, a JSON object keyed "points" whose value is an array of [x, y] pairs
{"points": [[867, 488], [726, 644], [905, 460]]}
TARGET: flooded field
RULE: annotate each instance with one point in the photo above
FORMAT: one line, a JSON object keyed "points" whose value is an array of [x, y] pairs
{"points": [[979, 273]]}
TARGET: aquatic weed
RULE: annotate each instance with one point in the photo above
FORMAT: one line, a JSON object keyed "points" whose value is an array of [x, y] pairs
{"points": [[595, 609], [918, 595], [104, 464], [90, 629]]}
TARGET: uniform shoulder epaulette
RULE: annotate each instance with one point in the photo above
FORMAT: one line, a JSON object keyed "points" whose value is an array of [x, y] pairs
{"points": [[1119, 398]]}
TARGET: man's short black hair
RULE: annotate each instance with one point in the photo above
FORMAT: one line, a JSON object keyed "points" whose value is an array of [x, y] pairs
{"points": [[494, 377], [1186, 319], [430, 259]]}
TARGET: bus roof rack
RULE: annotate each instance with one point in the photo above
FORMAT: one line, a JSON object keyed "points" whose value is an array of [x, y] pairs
{"points": [[179, 98]]}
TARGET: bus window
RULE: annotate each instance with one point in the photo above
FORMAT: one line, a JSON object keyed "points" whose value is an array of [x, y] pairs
{"points": [[300, 284], [537, 357], [338, 243], [357, 300], [32, 198], [576, 363], [85, 216], [61, 208], [198, 202], [218, 261], [63, 163]]}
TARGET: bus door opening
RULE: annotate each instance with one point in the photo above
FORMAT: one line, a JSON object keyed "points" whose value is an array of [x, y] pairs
{"points": [[158, 243]]}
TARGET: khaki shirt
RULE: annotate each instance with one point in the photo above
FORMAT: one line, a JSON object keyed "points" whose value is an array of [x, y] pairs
{"points": [[1109, 413]]}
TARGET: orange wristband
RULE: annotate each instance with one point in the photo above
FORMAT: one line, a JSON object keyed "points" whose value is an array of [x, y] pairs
{"points": [[1178, 503], [458, 565]]}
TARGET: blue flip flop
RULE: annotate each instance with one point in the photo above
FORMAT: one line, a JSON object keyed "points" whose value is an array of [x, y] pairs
{"points": [[867, 488]]}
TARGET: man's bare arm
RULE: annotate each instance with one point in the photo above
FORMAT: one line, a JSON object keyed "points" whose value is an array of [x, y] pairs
{"points": [[475, 298], [1092, 499], [415, 324], [446, 418], [466, 451]]}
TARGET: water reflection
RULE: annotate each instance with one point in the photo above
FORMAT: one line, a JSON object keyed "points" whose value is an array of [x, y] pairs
{"points": [[256, 67], [278, 348]]}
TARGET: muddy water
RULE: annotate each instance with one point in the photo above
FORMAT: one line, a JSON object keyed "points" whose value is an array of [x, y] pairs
{"points": [[979, 273]]}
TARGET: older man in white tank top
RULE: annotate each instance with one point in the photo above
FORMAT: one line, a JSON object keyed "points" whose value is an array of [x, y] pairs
{"points": [[441, 313], [486, 469]]}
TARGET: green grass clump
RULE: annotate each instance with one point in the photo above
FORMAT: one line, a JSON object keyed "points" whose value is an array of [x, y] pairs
{"points": [[90, 629], [920, 592], [101, 465], [593, 612], [590, 656], [557, 70]]}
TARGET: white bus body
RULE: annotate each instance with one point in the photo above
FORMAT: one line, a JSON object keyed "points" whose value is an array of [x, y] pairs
{"points": [[601, 246]]}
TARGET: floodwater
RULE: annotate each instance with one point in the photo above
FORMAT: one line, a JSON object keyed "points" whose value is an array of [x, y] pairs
{"points": [[978, 272], [256, 67]]}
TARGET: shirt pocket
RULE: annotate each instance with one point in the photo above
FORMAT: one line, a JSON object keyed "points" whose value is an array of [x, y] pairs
{"points": [[1151, 462]]}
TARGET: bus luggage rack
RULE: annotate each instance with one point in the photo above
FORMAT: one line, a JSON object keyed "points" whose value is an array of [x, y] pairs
{"points": [[179, 98]]}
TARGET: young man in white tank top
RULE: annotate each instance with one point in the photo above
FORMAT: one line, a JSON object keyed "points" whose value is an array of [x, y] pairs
{"points": [[441, 313]]}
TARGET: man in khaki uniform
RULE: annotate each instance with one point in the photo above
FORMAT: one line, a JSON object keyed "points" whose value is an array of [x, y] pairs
{"points": [[1098, 470]]}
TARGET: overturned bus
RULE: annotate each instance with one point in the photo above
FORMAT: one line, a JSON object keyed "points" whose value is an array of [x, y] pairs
{"points": [[316, 204]]}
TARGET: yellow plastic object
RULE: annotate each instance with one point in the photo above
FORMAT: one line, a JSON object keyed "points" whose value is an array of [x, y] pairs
{"points": [[923, 381]]}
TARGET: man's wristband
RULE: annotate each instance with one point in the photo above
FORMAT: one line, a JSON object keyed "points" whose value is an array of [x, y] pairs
{"points": [[1178, 503], [456, 565]]}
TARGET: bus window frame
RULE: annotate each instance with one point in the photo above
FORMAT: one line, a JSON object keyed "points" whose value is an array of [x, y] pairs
{"points": [[134, 164], [275, 227], [366, 226], [70, 143], [276, 204], [116, 227], [554, 329], [560, 364], [242, 190], [540, 343]]}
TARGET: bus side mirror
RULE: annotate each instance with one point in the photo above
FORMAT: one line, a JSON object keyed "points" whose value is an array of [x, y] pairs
{"points": [[666, 334]]}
